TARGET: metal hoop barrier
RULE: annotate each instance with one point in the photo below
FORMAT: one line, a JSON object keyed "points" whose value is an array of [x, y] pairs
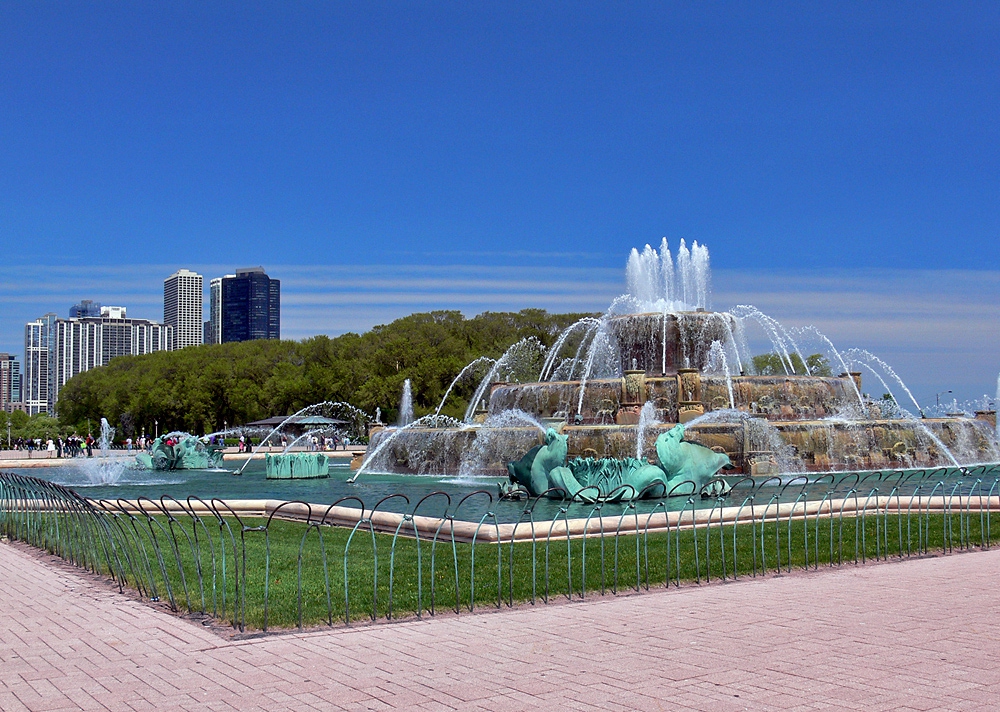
{"points": [[263, 565]]}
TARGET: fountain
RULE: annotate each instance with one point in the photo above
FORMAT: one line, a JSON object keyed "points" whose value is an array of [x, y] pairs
{"points": [[180, 451], [337, 413], [104, 469], [659, 358]]}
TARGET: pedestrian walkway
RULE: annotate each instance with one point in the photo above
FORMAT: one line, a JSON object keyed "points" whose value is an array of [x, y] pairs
{"points": [[914, 635]]}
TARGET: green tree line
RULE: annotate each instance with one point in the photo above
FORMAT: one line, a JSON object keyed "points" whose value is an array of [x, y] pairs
{"points": [[198, 389], [42, 426]]}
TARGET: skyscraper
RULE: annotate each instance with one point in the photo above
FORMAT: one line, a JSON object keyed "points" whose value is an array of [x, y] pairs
{"points": [[182, 307], [39, 351], [215, 309], [10, 381], [250, 306]]}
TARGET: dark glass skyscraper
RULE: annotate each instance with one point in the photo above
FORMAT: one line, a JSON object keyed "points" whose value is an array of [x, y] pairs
{"points": [[251, 306]]}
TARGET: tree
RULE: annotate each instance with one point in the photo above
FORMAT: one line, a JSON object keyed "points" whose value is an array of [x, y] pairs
{"points": [[772, 364], [197, 389]]}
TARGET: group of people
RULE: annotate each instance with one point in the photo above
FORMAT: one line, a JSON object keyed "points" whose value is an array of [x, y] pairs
{"points": [[325, 443], [75, 446], [314, 443], [72, 446]]}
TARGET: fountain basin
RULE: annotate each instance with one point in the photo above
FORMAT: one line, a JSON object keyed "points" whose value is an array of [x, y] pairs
{"points": [[297, 466]]}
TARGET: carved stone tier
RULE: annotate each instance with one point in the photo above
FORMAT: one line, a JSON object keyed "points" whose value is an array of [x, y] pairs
{"points": [[665, 343], [755, 445]]}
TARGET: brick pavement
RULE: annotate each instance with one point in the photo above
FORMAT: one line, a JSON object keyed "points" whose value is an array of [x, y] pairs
{"points": [[915, 635]]}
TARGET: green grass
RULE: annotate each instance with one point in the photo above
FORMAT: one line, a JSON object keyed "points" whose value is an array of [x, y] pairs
{"points": [[284, 578]]}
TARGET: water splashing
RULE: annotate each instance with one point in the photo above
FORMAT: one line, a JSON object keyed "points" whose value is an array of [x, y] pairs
{"points": [[326, 407], [514, 360], [779, 336], [656, 284], [717, 360], [833, 350], [587, 322], [406, 404], [469, 368], [647, 417], [104, 469], [868, 358]]}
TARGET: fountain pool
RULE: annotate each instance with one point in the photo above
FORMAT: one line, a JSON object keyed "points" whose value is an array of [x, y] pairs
{"points": [[220, 484]]}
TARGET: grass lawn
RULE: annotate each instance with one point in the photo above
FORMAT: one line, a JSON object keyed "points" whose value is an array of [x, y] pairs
{"points": [[289, 574]]}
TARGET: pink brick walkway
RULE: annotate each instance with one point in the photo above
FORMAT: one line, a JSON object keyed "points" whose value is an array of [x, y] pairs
{"points": [[916, 635]]}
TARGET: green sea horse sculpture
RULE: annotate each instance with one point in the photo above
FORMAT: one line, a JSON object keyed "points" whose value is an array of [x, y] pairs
{"points": [[683, 468]]}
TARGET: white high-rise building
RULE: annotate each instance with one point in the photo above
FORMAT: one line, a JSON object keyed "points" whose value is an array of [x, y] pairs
{"points": [[182, 307], [83, 344], [57, 349], [215, 307], [39, 350]]}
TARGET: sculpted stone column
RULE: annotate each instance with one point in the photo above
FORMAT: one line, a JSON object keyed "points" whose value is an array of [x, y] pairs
{"points": [[689, 404], [633, 397]]}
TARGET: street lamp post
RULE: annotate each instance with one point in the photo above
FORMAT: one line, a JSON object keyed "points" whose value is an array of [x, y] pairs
{"points": [[156, 423]]}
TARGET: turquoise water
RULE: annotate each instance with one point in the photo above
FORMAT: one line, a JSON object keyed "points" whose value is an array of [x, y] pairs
{"points": [[370, 489], [252, 484]]}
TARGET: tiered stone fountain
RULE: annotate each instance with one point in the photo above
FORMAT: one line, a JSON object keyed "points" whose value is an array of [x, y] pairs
{"points": [[659, 349]]}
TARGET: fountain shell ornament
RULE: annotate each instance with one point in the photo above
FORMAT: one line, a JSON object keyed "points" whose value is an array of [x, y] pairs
{"points": [[660, 357]]}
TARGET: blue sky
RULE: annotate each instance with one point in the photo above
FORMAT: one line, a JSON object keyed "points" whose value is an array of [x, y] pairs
{"points": [[841, 160]]}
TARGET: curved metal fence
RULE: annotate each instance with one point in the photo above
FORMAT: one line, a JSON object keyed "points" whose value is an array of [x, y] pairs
{"points": [[291, 564]]}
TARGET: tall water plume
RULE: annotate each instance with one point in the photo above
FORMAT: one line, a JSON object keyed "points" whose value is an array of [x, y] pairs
{"points": [[104, 469], [406, 404], [657, 284]]}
